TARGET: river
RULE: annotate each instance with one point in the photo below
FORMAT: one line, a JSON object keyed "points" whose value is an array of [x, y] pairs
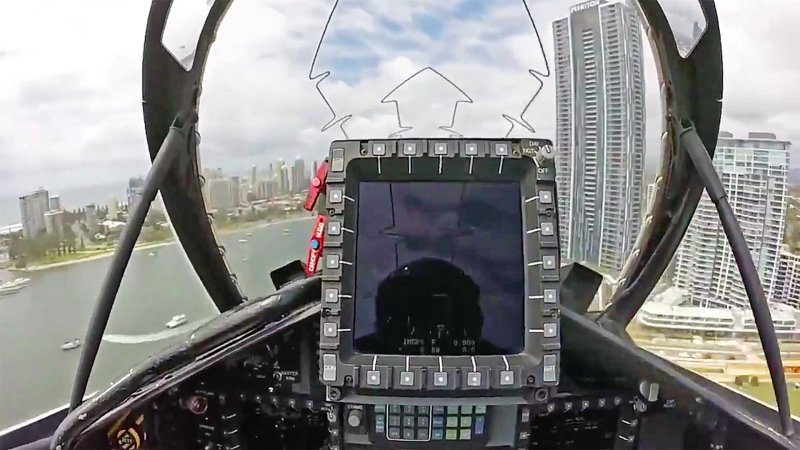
{"points": [[36, 375]]}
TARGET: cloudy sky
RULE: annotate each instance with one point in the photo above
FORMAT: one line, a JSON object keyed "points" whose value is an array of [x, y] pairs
{"points": [[70, 79]]}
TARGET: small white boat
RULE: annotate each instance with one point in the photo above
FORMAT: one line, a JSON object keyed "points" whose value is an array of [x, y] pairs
{"points": [[285, 231], [243, 241], [177, 321], [69, 345], [152, 254], [12, 286], [248, 234], [245, 259]]}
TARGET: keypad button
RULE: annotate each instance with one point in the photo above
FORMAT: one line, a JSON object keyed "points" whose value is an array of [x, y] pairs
{"points": [[471, 149], [549, 262], [335, 196], [474, 379], [437, 435], [506, 378], [334, 228], [408, 421], [479, 424], [452, 410], [501, 149], [480, 409], [465, 435], [550, 330], [394, 421], [378, 149], [332, 261], [410, 149], [395, 409], [547, 228], [466, 421], [331, 295], [550, 296], [330, 329], [467, 409], [545, 197], [423, 410], [422, 434], [406, 378], [380, 409], [452, 434], [438, 409], [373, 378], [452, 421], [408, 433], [440, 379], [394, 433], [440, 148], [437, 421], [409, 409], [423, 421]]}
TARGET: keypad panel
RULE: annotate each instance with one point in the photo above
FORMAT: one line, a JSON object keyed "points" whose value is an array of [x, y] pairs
{"points": [[451, 424]]}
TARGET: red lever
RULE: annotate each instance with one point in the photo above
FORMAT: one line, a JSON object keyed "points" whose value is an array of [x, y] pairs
{"points": [[315, 245], [317, 187]]}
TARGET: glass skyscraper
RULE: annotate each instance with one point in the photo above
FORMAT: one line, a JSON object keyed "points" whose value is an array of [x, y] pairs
{"points": [[600, 130]]}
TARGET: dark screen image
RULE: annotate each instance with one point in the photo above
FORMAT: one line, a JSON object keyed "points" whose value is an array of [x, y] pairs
{"points": [[439, 269]]}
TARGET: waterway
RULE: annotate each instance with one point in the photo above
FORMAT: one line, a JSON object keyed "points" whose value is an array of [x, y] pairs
{"points": [[36, 375]]}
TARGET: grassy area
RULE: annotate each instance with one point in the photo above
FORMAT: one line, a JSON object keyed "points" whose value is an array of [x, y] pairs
{"points": [[65, 257], [764, 393]]}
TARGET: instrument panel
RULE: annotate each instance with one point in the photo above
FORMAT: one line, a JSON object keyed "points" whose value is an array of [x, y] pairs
{"points": [[440, 270]]}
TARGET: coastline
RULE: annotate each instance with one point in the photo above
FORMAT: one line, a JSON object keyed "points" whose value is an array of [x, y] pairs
{"points": [[152, 245]]}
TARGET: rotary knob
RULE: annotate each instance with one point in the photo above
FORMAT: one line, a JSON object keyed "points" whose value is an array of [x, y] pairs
{"points": [[354, 418]]}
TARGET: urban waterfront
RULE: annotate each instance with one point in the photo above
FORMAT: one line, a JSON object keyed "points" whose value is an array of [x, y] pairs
{"points": [[36, 375]]}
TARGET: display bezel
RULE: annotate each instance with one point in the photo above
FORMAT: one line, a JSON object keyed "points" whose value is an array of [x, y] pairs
{"points": [[452, 160]]}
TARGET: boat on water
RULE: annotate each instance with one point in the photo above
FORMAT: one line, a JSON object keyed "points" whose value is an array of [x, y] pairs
{"points": [[243, 241], [13, 286], [69, 345], [176, 321], [248, 234], [285, 231], [152, 254]]}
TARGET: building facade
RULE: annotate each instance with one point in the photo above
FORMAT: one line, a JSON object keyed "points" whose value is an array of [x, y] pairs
{"points": [[787, 281], [32, 208], [54, 222], [754, 174], [135, 190], [600, 130]]}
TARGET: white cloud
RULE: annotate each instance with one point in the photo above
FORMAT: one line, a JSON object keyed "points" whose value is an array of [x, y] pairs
{"points": [[71, 94]]}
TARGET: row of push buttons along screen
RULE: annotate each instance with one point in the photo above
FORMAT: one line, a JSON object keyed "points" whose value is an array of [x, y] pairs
{"points": [[424, 423], [337, 196]]}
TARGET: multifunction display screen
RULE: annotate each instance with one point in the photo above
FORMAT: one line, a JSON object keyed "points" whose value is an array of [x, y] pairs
{"points": [[439, 268]]}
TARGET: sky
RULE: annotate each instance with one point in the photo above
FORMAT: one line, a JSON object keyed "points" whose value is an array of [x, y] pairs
{"points": [[70, 80]]}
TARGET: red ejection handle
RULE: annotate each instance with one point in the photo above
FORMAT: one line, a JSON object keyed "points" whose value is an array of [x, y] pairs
{"points": [[317, 240], [315, 245], [317, 187]]}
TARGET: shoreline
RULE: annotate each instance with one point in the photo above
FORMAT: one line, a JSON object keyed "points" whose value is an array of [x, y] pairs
{"points": [[150, 246]]}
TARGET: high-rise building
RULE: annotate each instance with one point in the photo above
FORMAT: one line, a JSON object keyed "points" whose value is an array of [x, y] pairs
{"points": [[787, 281], [55, 202], [236, 183], [135, 190], [600, 130], [299, 175], [253, 179], [754, 174], [220, 197], [314, 168], [91, 218], [54, 222], [31, 209]]}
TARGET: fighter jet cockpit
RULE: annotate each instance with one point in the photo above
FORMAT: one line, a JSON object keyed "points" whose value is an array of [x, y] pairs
{"points": [[475, 169]]}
